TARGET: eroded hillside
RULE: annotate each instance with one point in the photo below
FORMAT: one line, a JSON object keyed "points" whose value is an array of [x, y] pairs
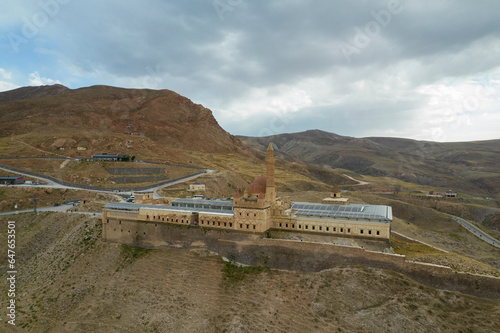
{"points": [[69, 280]]}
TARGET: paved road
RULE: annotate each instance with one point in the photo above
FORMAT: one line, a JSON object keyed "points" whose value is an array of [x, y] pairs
{"points": [[49, 182], [360, 182], [59, 209], [52, 184], [476, 231], [155, 189]]}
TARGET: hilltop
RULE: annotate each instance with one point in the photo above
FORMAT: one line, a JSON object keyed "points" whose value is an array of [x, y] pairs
{"points": [[92, 117]]}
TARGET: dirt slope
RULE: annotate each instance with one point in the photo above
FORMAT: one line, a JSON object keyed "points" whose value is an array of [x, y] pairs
{"points": [[85, 117], [70, 281]]}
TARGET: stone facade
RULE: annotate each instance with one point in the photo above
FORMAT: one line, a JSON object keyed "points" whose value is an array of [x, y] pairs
{"points": [[257, 210]]}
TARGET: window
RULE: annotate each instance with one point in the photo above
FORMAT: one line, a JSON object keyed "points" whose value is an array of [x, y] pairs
{"points": [[378, 233], [213, 222], [300, 226], [176, 220], [254, 215], [293, 226], [147, 216], [280, 225], [369, 232], [225, 224], [286, 225], [327, 229], [182, 221], [120, 222], [361, 231], [241, 225], [307, 227], [314, 227], [254, 227], [320, 228], [230, 225], [247, 226], [167, 219], [348, 230], [341, 229], [335, 229]]}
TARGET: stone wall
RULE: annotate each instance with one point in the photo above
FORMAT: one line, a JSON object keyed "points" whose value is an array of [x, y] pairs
{"points": [[135, 171], [138, 179], [292, 255]]}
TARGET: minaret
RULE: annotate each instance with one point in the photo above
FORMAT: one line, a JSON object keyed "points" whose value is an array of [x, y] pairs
{"points": [[270, 188]]}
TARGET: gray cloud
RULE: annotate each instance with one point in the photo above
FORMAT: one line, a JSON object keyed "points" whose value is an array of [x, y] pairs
{"points": [[253, 62]]}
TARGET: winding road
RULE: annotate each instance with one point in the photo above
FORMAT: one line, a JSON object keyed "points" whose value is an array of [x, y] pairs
{"points": [[359, 182], [476, 231], [52, 184]]}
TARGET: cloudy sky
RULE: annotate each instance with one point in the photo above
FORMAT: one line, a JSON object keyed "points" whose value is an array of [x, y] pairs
{"points": [[427, 70]]}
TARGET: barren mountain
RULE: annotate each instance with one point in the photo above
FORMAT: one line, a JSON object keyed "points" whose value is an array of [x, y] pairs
{"points": [[83, 117], [462, 166]]}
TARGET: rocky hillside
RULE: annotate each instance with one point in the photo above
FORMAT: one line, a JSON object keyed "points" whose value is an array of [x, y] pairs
{"points": [[71, 281], [461, 166], [97, 117]]}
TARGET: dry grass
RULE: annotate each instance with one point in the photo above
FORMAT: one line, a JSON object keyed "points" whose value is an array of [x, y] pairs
{"points": [[23, 197], [71, 281], [423, 253]]}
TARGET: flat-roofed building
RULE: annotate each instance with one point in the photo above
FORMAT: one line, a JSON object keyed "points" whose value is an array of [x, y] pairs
{"points": [[11, 180]]}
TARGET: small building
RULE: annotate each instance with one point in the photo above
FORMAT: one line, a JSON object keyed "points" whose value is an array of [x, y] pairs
{"points": [[197, 186], [108, 157], [450, 194], [144, 197], [335, 197], [11, 180]]}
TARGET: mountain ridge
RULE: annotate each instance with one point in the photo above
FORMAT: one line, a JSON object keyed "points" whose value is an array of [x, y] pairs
{"points": [[159, 115], [466, 166]]}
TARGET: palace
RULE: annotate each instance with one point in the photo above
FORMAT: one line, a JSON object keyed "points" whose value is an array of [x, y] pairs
{"points": [[257, 210]]}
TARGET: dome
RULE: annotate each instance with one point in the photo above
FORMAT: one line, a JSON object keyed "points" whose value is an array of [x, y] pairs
{"points": [[258, 185]]}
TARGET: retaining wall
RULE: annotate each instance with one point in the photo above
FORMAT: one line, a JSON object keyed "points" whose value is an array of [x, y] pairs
{"points": [[252, 249], [135, 171]]}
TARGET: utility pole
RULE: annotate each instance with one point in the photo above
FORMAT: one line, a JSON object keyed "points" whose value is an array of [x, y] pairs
{"points": [[128, 128], [35, 199]]}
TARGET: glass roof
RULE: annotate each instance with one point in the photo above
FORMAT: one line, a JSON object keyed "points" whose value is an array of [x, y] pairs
{"points": [[376, 212]]}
